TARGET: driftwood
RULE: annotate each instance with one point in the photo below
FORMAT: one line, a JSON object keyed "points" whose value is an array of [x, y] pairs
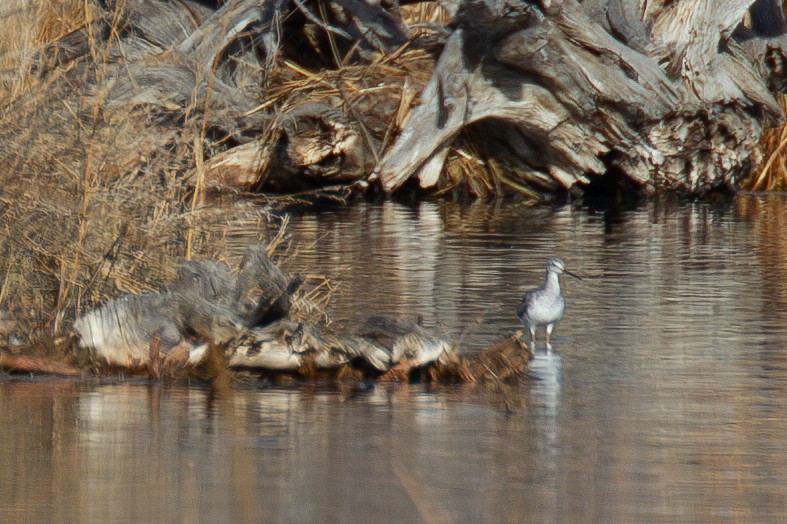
{"points": [[40, 365], [660, 92], [542, 97], [316, 145], [380, 345], [243, 321], [247, 315], [383, 348], [559, 93], [206, 304]]}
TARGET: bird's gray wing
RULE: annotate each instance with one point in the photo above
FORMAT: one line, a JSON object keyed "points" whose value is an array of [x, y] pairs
{"points": [[521, 311]]}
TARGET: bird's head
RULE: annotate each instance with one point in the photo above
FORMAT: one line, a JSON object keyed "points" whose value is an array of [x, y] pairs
{"points": [[556, 265]]}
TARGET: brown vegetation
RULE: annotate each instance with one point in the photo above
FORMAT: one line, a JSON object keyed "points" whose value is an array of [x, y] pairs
{"points": [[93, 203], [771, 174]]}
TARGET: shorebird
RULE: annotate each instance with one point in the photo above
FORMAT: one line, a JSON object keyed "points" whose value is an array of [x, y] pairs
{"points": [[544, 305]]}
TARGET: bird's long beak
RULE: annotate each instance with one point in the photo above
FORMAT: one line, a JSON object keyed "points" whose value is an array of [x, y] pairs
{"points": [[572, 274]]}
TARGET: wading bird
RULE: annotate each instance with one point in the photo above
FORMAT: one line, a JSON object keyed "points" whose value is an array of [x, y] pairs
{"points": [[544, 305]]}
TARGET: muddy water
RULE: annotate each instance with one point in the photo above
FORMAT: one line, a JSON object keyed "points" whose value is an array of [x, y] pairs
{"points": [[663, 400]]}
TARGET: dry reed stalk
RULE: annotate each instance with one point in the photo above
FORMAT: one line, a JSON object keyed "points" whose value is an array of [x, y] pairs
{"points": [[199, 188], [197, 199], [425, 13], [331, 39], [280, 238], [772, 173]]}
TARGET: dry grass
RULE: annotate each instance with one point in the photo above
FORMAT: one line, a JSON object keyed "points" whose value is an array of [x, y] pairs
{"points": [[425, 13], [59, 17], [358, 86], [771, 175], [91, 206], [26, 24]]}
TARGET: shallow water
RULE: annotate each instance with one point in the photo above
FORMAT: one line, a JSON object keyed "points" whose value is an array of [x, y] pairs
{"points": [[662, 401]]}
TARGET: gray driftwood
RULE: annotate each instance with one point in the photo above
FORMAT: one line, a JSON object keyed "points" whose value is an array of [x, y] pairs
{"points": [[663, 92], [206, 304], [247, 315], [245, 318]]}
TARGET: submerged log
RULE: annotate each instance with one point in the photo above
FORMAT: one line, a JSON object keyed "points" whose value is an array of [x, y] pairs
{"points": [[383, 348], [298, 347], [40, 365], [246, 318]]}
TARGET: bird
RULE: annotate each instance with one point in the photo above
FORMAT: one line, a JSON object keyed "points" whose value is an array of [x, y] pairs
{"points": [[544, 305]]}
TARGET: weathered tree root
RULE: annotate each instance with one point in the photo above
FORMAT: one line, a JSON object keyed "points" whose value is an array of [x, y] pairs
{"points": [[669, 94]]}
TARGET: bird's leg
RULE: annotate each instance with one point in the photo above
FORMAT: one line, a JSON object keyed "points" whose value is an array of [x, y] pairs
{"points": [[532, 337], [549, 328]]}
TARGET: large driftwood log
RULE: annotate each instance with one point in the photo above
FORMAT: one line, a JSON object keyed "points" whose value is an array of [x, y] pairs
{"points": [[658, 90]]}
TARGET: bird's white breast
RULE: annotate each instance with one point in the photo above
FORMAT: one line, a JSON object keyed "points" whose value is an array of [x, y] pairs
{"points": [[546, 309]]}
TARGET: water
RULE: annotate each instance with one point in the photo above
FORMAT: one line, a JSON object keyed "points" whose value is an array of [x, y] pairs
{"points": [[663, 400]]}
